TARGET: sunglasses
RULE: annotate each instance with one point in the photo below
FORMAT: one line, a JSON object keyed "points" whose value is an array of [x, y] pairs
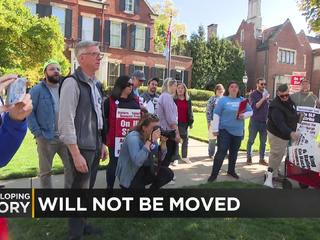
{"points": [[129, 85], [263, 84], [284, 95]]}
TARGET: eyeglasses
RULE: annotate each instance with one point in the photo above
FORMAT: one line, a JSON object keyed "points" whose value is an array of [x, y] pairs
{"points": [[284, 95], [94, 54], [129, 84], [263, 84]]}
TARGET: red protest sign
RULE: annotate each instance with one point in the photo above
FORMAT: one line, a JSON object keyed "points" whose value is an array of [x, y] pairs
{"points": [[126, 119]]}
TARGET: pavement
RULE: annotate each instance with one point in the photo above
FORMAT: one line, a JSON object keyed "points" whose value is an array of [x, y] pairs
{"points": [[186, 174]]}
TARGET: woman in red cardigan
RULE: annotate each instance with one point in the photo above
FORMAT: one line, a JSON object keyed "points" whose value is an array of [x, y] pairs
{"points": [[185, 120]]}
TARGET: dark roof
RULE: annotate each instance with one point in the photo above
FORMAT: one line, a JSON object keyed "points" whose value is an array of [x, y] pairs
{"points": [[314, 39], [230, 38], [268, 34]]}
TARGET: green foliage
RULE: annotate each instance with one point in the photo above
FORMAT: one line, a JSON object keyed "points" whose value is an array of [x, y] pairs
{"points": [[311, 10], [27, 41], [214, 61], [165, 9]]}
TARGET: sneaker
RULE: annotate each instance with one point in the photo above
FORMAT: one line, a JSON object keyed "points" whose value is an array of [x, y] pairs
{"points": [[249, 160], [186, 160], [263, 162], [172, 182], [175, 163], [234, 175], [212, 178]]}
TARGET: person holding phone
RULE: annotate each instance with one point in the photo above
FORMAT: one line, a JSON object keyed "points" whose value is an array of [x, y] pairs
{"points": [[13, 126], [229, 129]]}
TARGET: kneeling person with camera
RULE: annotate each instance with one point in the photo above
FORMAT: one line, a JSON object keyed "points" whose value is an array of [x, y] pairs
{"points": [[140, 156]]}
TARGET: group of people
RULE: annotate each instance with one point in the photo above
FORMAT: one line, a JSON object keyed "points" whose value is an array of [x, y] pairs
{"points": [[276, 120], [71, 117]]}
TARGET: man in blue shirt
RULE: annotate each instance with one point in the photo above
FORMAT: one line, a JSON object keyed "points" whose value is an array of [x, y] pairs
{"points": [[258, 121], [138, 79], [43, 123]]}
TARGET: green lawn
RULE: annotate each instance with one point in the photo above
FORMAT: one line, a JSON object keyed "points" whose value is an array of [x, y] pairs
{"points": [[25, 162], [200, 131], [176, 229]]}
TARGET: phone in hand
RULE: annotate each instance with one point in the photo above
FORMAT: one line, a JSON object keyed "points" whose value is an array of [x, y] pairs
{"points": [[16, 91]]}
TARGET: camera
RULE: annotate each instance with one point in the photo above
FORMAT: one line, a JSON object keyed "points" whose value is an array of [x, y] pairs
{"points": [[170, 134]]}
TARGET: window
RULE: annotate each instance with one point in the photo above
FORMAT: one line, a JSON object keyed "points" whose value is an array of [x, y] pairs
{"points": [[129, 6], [242, 36], [179, 75], [32, 7], [286, 56], [115, 34], [113, 73], [304, 61], [140, 38], [137, 67], [160, 73], [87, 28], [60, 14]]}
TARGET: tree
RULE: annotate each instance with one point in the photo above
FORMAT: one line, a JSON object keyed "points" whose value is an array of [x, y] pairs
{"points": [[165, 9], [215, 61], [311, 10], [27, 41]]}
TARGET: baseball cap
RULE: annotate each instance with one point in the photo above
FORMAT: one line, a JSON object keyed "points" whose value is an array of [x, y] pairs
{"points": [[139, 74], [50, 61]]}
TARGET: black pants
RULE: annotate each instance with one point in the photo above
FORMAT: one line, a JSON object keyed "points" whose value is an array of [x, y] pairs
{"points": [[145, 176], [171, 151], [111, 169]]}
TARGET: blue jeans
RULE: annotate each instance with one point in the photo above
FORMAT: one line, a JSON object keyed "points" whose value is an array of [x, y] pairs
{"points": [[254, 128], [111, 169], [226, 141]]}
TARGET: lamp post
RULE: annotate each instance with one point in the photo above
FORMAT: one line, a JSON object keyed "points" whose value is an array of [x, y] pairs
{"points": [[245, 81]]}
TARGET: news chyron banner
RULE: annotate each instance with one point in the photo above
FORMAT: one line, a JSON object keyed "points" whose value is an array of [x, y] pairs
{"points": [[168, 203]]}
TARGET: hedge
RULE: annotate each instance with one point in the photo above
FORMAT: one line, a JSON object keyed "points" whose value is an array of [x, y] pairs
{"points": [[195, 94]]}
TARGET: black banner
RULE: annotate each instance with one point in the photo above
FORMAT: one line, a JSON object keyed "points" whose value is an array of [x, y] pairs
{"points": [[168, 203]]}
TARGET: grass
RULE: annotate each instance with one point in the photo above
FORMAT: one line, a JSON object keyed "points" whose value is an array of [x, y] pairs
{"points": [[200, 132], [25, 161], [180, 228]]}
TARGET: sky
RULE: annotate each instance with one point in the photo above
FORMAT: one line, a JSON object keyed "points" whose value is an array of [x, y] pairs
{"points": [[228, 14]]}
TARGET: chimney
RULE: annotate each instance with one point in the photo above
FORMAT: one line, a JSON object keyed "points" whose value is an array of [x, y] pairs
{"points": [[212, 30]]}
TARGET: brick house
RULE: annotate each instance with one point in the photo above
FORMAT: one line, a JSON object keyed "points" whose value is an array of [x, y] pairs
{"points": [[276, 53], [125, 29]]}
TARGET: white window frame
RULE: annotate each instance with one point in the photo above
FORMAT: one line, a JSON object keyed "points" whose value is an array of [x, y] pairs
{"points": [[138, 67], [128, 4], [140, 38], [109, 73], [87, 33], [32, 7], [62, 21], [180, 71], [287, 56], [113, 34], [242, 35]]}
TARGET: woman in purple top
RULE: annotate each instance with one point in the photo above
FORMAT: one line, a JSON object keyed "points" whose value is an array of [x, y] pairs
{"points": [[168, 115]]}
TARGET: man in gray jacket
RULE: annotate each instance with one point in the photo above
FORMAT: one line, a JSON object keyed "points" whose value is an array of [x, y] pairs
{"points": [[81, 124]]}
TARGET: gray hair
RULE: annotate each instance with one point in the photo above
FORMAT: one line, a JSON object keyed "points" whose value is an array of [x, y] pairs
{"points": [[82, 46], [168, 82]]}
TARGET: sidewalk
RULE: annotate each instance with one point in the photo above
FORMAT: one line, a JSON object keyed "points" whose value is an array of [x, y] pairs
{"points": [[186, 174]]}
